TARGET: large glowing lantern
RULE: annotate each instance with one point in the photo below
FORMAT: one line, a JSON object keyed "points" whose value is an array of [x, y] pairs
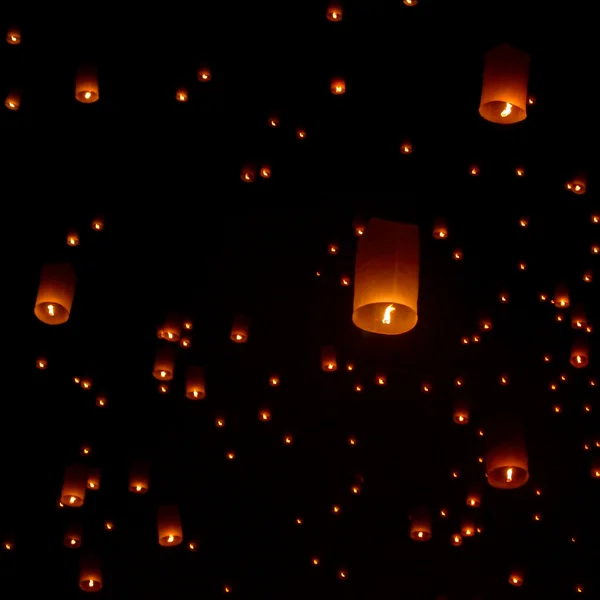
{"points": [[55, 294], [169, 526], [505, 78], [506, 462], [86, 85], [90, 574], [386, 279]]}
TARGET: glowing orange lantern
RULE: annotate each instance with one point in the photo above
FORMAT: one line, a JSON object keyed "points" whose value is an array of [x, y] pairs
{"points": [[505, 79], [169, 526], [13, 100], [13, 36], [440, 229], [577, 185], [139, 478], [334, 12], [72, 537], [338, 86], [170, 330], [507, 465], [86, 85], [516, 578], [204, 75], [561, 296], [328, 359], [461, 412], [164, 364], [239, 330], [90, 575], [248, 174], [195, 383], [420, 526], [386, 280], [74, 486], [580, 356], [55, 293]]}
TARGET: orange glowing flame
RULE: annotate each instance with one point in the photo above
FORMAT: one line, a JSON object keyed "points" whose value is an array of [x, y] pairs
{"points": [[387, 314], [507, 110]]}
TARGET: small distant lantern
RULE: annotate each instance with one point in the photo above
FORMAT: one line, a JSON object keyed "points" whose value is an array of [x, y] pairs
{"points": [[474, 171], [328, 359], [90, 575], [420, 526], [561, 296], [72, 238], [204, 74], [461, 412], [13, 36], [507, 464], [139, 478], [386, 278], [505, 80], [93, 479], [580, 354], [13, 100], [266, 171], [410, 2], [195, 383], [300, 133], [41, 363], [474, 497], [55, 293], [334, 12], [74, 486], [578, 318], [164, 364], [239, 330], [248, 174], [485, 323], [406, 147], [359, 225], [169, 526], [73, 536], [181, 95], [98, 223], [338, 86], [595, 469], [468, 527], [170, 330], [440, 229], [577, 185], [516, 578], [520, 171], [274, 120], [456, 539], [86, 85]]}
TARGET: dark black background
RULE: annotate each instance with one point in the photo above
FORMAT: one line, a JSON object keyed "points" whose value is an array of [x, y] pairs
{"points": [[183, 232]]}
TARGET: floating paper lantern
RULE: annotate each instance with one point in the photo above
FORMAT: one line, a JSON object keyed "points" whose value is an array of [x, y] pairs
{"points": [[139, 478], [507, 465], [386, 280], [195, 383], [13, 35], [335, 12], [169, 526], [420, 525], [55, 293], [74, 486], [13, 100], [516, 578], [328, 359], [72, 537], [580, 356], [170, 330], [505, 79], [86, 85], [90, 574], [239, 330], [164, 364]]}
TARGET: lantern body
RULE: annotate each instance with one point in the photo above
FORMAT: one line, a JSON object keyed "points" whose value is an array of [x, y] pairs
{"points": [[139, 478], [72, 537], [55, 294], [420, 526], [13, 36], [328, 359], [505, 79], [90, 575], [74, 486], [516, 578], [580, 356], [239, 330], [195, 383], [474, 498], [170, 330], [334, 12], [595, 468], [507, 464], [338, 86], [164, 364], [561, 296], [86, 85], [204, 74], [578, 185], [461, 412], [467, 528], [13, 101], [440, 229], [169, 526], [93, 479], [386, 279], [248, 174]]}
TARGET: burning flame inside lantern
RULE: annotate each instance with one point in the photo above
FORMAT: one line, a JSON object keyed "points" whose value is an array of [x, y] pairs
{"points": [[387, 314], [50, 308], [509, 475], [507, 110]]}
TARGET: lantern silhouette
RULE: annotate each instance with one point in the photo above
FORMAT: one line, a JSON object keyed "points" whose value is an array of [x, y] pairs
{"points": [[505, 79], [74, 486], [561, 296], [164, 364], [72, 537], [55, 293], [328, 359], [139, 478], [90, 574], [461, 412], [169, 526], [239, 330], [580, 356], [195, 383], [386, 280], [170, 330], [420, 525], [507, 464], [86, 85], [93, 479]]}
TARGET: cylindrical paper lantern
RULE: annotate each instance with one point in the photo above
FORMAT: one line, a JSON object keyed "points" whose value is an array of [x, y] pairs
{"points": [[474, 497], [90, 574], [507, 464], [461, 412], [170, 330], [467, 527], [561, 296], [577, 185], [93, 479], [13, 35], [55, 294], [328, 359], [420, 525], [169, 526], [74, 486], [239, 329], [13, 100], [195, 383], [164, 364], [139, 478], [578, 317], [72, 537], [386, 280], [580, 354], [334, 12], [86, 85], [505, 79], [440, 229], [516, 578], [595, 468], [338, 86]]}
